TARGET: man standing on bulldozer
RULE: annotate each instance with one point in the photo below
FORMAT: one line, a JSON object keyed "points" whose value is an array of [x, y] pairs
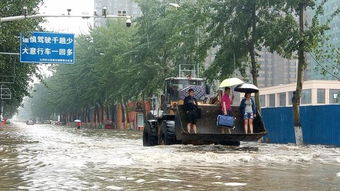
{"points": [[191, 110]]}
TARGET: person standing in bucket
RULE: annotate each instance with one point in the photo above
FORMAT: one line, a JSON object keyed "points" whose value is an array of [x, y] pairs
{"points": [[191, 107], [226, 103], [248, 111]]}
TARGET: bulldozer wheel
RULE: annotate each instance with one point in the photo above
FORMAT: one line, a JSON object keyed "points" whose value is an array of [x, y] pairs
{"points": [[145, 138], [150, 135], [168, 133]]}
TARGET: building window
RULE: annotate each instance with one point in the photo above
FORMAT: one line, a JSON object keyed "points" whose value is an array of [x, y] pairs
{"points": [[290, 96], [272, 100], [306, 96], [334, 96], [321, 96], [263, 100], [282, 99]]}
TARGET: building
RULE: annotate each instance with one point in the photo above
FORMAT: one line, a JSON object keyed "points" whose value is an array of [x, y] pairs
{"points": [[315, 66], [315, 92], [275, 70], [114, 7]]}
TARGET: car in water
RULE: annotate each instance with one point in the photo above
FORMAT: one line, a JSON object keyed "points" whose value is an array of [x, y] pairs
{"points": [[30, 122]]}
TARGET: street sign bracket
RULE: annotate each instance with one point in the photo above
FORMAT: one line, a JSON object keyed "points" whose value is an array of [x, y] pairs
{"points": [[5, 93]]}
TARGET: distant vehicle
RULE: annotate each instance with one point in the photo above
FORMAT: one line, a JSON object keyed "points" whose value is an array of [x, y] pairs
{"points": [[29, 122], [170, 127], [47, 122]]}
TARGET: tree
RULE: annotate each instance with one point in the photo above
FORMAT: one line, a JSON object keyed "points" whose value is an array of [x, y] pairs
{"points": [[302, 38], [9, 42], [308, 41], [96, 79], [116, 64], [238, 29]]}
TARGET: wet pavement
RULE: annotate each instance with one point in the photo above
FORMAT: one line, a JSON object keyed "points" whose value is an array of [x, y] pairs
{"points": [[47, 157]]}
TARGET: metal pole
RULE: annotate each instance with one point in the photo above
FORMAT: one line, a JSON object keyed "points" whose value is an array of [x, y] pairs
{"points": [[22, 17], [10, 53], [198, 45], [234, 62], [2, 110]]}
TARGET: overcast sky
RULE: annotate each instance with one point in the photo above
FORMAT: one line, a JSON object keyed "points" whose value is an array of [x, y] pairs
{"points": [[67, 25]]}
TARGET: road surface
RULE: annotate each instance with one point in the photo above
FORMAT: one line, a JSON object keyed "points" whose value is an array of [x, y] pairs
{"points": [[47, 157]]}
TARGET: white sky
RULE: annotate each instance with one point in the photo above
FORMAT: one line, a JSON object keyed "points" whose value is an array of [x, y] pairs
{"points": [[67, 25]]}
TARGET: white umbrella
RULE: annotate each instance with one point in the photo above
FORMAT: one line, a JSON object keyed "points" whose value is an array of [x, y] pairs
{"points": [[230, 82], [246, 88]]}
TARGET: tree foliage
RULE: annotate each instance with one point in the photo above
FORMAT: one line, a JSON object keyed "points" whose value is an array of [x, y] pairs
{"points": [[116, 64], [11, 70]]}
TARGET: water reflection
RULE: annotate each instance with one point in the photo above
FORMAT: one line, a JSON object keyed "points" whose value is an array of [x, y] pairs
{"points": [[44, 157]]}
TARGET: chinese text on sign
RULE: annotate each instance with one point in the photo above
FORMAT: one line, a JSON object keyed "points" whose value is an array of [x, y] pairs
{"points": [[46, 47]]}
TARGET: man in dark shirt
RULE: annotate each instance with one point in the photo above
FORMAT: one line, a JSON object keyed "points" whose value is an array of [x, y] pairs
{"points": [[190, 106]]}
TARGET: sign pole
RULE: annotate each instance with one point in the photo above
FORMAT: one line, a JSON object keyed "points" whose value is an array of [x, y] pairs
{"points": [[2, 110], [10, 53]]}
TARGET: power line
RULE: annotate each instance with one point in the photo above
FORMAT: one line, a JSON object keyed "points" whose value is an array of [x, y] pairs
{"points": [[338, 78], [326, 59]]}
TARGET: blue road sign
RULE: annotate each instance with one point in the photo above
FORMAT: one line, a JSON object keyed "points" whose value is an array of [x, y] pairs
{"points": [[47, 47]]}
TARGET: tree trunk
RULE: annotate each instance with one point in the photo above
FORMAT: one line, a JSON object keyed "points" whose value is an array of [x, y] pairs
{"points": [[143, 106], [114, 116], [125, 121], [301, 68], [254, 69], [95, 117], [102, 113]]}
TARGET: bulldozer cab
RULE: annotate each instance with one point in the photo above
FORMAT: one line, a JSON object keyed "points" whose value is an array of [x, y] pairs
{"points": [[176, 89]]}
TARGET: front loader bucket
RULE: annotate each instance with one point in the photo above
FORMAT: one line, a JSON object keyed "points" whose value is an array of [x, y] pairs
{"points": [[209, 132]]}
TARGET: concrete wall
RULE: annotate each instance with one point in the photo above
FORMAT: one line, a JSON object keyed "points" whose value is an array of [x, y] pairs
{"points": [[320, 124]]}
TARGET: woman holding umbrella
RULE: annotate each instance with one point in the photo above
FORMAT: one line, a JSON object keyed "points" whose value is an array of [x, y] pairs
{"points": [[247, 107], [248, 111]]}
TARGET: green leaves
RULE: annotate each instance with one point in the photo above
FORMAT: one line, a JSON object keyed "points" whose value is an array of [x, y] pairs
{"points": [[115, 63], [98, 77], [20, 74]]}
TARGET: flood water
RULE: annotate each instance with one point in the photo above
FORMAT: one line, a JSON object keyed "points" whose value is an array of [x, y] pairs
{"points": [[46, 157]]}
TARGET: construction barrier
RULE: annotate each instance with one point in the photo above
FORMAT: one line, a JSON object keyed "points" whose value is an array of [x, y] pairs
{"points": [[320, 124]]}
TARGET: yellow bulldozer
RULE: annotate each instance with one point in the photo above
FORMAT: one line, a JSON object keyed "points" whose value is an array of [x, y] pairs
{"points": [[167, 124]]}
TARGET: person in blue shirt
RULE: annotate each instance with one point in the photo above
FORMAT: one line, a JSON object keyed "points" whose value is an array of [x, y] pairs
{"points": [[191, 107], [248, 111]]}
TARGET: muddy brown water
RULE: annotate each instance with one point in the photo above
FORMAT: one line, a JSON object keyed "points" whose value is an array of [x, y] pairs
{"points": [[47, 157]]}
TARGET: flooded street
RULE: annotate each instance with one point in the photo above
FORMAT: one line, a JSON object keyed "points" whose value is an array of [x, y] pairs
{"points": [[46, 157]]}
